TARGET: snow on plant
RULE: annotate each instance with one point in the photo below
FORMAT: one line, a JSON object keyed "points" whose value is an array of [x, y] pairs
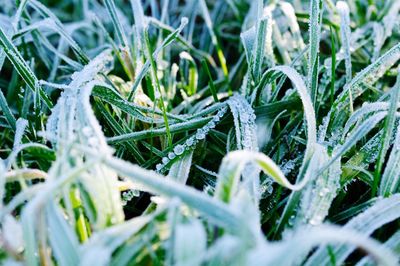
{"points": [[204, 132]]}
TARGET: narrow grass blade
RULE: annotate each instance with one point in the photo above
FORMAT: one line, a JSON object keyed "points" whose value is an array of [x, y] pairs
{"points": [[387, 135], [382, 212], [6, 111], [313, 60], [22, 67]]}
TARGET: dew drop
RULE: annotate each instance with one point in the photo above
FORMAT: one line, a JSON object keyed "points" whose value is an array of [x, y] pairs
{"points": [[165, 160], [179, 149], [200, 135], [190, 142]]}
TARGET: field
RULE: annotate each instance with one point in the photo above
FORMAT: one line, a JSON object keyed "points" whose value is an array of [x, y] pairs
{"points": [[199, 132]]}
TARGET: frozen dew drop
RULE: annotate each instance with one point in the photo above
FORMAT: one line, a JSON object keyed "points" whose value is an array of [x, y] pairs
{"points": [[179, 149], [200, 135], [189, 142], [291, 220], [135, 192], [165, 160], [171, 155]]}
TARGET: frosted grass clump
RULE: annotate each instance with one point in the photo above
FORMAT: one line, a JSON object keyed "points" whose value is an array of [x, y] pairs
{"points": [[191, 142], [321, 191], [94, 94], [244, 120]]}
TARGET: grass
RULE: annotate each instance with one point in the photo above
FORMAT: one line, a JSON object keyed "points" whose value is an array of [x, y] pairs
{"points": [[168, 132]]}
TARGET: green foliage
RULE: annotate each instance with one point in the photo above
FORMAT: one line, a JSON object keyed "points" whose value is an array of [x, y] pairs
{"points": [[168, 132]]}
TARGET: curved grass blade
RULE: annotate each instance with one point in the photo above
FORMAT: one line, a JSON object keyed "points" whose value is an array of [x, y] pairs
{"points": [[309, 114], [382, 212]]}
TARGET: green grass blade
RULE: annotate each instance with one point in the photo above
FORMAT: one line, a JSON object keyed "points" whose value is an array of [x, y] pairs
{"points": [[6, 111], [22, 67], [387, 135]]}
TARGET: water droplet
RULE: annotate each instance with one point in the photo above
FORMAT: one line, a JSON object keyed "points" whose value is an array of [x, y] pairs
{"points": [[200, 135], [165, 160], [316, 220], [179, 149], [291, 220], [190, 142], [171, 155], [159, 166], [135, 193]]}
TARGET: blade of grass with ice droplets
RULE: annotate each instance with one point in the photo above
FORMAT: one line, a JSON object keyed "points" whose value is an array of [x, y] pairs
{"points": [[174, 35], [318, 195], [305, 239], [217, 211], [345, 33], [313, 60], [175, 128], [309, 115], [382, 212], [181, 168], [358, 134], [368, 75], [366, 155], [392, 243], [234, 163], [391, 178], [387, 135]]}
